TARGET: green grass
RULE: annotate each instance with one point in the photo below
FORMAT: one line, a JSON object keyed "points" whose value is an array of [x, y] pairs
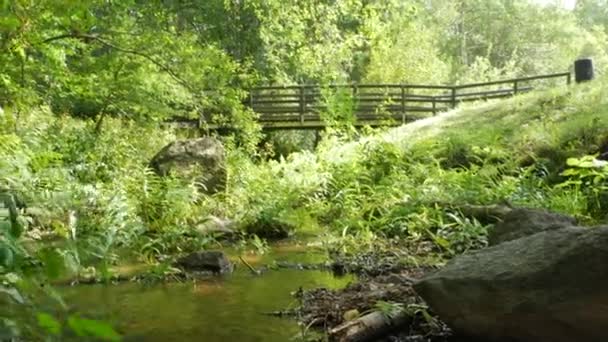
{"points": [[480, 153], [533, 121]]}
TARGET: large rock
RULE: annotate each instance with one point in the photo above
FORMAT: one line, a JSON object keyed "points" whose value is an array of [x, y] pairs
{"points": [[216, 226], [201, 159], [547, 287], [206, 261], [521, 222]]}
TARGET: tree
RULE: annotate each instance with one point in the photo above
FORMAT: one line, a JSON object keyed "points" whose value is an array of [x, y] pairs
{"points": [[592, 12]]}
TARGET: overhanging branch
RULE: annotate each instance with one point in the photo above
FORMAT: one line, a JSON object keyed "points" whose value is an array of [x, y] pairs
{"points": [[102, 41]]}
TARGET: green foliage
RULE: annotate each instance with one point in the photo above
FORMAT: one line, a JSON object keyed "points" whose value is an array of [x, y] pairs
{"points": [[389, 309], [88, 328], [254, 245], [588, 176], [282, 143], [339, 109], [84, 87], [49, 323]]}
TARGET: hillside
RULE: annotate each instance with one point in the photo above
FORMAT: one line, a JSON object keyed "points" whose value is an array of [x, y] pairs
{"points": [[509, 150]]}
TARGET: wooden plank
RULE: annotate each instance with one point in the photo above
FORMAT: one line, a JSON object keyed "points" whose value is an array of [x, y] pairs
{"points": [[278, 110], [510, 81], [491, 97], [271, 102], [482, 94], [269, 97]]}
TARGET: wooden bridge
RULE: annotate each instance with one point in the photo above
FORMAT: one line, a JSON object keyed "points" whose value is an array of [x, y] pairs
{"points": [[303, 106]]}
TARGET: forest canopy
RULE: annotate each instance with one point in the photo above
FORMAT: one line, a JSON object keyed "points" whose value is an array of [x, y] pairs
{"points": [[151, 59]]}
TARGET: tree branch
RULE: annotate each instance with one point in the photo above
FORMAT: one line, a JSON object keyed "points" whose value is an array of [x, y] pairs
{"points": [[92, 37]]}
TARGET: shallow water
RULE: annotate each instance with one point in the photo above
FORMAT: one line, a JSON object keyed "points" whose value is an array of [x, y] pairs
{"points": [[226, 308]]}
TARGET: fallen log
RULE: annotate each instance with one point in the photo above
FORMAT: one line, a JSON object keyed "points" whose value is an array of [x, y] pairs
{"points": [[370, 327]]}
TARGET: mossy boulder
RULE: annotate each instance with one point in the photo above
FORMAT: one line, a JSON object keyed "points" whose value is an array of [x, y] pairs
{"points": [[206, 261], [201, 159]]}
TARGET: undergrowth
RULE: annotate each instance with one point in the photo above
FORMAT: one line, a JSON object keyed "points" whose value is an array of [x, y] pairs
{"points": [[92, 191]]}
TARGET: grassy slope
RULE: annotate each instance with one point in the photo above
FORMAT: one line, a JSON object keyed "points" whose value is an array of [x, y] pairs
{"points": [[526, 123], [485, 152]]}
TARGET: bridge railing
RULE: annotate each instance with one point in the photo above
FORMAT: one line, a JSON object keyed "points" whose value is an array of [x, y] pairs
{"points": [[303, 104]]}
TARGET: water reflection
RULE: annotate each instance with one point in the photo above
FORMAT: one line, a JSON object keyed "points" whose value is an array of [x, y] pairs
{"points": [[217, 309]]}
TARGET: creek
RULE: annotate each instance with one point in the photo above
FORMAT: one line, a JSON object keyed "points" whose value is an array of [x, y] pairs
{"points": [[222, 308]]}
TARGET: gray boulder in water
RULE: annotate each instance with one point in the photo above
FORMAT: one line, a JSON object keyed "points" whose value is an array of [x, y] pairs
{"points": [[201, 159], [547, 287], [206, 261]]}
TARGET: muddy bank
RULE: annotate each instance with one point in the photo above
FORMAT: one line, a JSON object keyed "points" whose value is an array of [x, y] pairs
{"points": [[384, 283]]}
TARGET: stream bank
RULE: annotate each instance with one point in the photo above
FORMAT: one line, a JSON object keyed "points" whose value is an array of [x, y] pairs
{"points": [[384, 284], [302, 292], [231, 307]]}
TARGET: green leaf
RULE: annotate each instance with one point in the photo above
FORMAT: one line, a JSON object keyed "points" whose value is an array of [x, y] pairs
{"points": [[5, 226], [7, 257], [49, 323], [20, 52], [92, 328], [570, 172], [572, 162], [569, 183], [17, 228], [9, 329], [598, 179]]}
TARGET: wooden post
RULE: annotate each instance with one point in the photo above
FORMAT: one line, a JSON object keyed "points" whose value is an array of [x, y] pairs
{"points": [[515, 88], [568, 79], [434, 106], [302, 104], [402, 103], [355, 92], [203, 125], [453, 98]]}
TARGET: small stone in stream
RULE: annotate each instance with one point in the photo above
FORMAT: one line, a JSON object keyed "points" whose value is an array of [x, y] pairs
{"points": [[521, 222], [210, 261]]}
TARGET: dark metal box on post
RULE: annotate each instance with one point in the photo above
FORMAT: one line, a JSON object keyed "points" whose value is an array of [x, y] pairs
{"points": [[583, 70]]}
